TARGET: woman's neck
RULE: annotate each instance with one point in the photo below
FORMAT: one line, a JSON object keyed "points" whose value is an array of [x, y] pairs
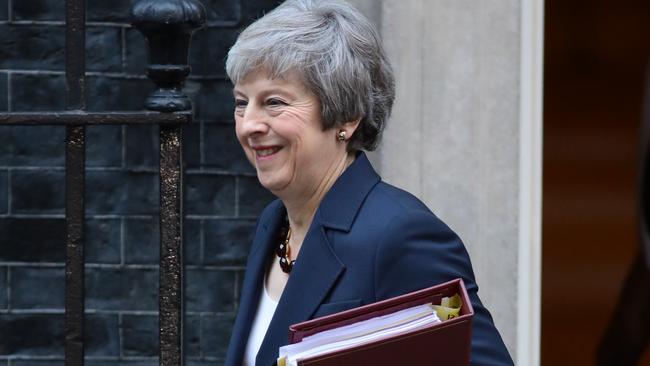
{"points": [[301, 209]]}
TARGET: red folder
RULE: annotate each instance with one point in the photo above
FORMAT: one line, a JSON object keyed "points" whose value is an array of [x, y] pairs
{"points": [[446, 343]]}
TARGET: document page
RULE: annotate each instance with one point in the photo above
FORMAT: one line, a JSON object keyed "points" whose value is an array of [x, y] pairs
{"points": [[359, 333]]}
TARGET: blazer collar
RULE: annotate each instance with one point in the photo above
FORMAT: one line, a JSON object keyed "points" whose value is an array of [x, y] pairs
{"points": [[341, 204]]}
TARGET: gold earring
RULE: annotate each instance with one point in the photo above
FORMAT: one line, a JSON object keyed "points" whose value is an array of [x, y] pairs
{"points": [[341, 136]]}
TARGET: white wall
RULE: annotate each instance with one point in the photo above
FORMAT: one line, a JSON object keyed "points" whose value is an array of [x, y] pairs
{"points": [[465, 136]]}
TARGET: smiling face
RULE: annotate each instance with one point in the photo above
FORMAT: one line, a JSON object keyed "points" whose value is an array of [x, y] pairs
{"points": [[278, 123]]}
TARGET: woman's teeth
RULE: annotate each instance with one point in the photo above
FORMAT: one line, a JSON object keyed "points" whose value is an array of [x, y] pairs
{"points": [[267, 152]]}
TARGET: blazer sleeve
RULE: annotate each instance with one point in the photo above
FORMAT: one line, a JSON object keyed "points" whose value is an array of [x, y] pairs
{"points": [[417, 251]]}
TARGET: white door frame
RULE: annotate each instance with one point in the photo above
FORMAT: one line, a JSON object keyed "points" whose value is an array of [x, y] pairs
{"points": [[530, 183]]}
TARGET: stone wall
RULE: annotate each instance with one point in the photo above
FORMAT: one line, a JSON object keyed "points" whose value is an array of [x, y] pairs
{"points": [[222, 195], [456, 137]]}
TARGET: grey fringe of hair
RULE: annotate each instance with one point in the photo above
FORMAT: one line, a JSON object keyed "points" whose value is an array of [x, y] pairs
{"points": [[336, 52]]}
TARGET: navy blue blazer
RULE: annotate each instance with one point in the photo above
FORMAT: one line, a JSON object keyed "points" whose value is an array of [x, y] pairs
{"points": [[368, 241]]}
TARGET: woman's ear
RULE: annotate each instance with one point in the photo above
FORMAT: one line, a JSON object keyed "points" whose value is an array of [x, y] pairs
{"points": [[349, 128]]}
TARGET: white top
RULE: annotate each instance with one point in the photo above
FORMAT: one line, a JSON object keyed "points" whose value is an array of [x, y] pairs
{"points": [[265, 309]]}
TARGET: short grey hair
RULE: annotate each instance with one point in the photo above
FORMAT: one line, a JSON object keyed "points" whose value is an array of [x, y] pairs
{"points": [[336, 52]]}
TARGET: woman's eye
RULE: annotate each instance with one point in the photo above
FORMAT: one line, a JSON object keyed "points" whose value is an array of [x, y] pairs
{"points": [[240, 103], [275, 102]]}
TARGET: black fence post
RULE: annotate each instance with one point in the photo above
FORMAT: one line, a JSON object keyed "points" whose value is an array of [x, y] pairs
{"points": [[75, 70], [168, 26]]}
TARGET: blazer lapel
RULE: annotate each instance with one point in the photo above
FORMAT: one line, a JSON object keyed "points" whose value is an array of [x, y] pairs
{"points": [[251, 289], [314, 274], [317, 267]]}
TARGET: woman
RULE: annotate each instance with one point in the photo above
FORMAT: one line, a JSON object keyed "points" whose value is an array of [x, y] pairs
{"points": [[313, 88]]}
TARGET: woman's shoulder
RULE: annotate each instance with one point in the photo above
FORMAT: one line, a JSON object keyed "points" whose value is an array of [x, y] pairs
{"points": [[270, 214], [392, 209], [397, 198], [271, 209], [395, 203]]}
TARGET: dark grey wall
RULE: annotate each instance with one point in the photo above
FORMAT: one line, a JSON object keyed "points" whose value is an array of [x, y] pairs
{"points": [[222, 195]]}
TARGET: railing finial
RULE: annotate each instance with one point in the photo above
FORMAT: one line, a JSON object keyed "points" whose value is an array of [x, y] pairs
{"points": [[168, 26]]}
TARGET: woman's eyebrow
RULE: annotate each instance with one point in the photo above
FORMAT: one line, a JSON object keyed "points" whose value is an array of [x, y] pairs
{"points": [[265, 93], [275, 91]]}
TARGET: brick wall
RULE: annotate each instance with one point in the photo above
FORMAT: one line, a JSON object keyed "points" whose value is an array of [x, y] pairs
{"points": [[222, 195]]}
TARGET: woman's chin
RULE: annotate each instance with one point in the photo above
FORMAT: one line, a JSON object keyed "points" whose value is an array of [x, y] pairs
{"points": [[272, 184]]}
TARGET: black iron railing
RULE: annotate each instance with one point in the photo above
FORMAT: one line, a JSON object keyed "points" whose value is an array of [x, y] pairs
{"points": [[168, 26]]}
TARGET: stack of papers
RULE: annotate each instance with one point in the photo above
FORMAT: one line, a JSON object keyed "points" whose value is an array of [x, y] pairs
{"points": [[360, 333]]}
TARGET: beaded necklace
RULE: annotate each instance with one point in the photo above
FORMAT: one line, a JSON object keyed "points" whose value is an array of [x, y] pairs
{"points": [[284, 250]]}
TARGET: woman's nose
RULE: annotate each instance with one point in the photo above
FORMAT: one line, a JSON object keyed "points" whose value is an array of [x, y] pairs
{"points": [[254, 120]]}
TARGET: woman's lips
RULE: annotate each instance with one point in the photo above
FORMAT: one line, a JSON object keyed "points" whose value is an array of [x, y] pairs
{"points": [[266, 152]]}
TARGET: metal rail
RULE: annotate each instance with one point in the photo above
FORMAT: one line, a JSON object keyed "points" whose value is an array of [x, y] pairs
{"points": [[168, 26], [95, 118]]}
